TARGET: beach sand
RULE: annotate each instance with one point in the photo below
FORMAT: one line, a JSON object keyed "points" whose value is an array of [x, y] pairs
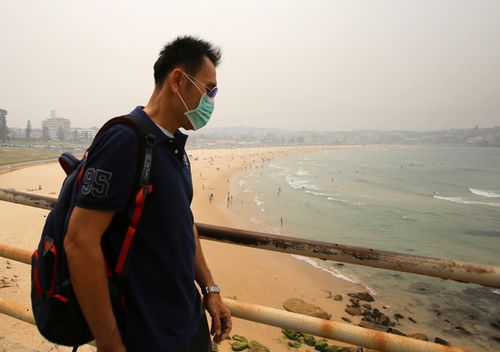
{"points": [[249, 275]]}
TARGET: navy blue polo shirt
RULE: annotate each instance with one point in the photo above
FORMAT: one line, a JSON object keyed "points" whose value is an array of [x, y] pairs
{"points": [[162, 305]]}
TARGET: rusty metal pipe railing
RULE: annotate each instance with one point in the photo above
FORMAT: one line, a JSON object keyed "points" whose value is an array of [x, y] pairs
{"points": [[29, 199], [446, 269], [17, 254], [355, 335], [17, 311]]}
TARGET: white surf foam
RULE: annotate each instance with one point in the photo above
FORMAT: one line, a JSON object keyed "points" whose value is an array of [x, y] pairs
{"points": [[278, 167], [333, 199], [320, 194], [460, 200], [484, 193], [256, 221], [302, 172], [333, 271], [258, 201], [297, 183]]}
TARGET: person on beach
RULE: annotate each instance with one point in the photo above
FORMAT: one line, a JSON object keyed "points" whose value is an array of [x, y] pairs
{"points": [[162, 308]]}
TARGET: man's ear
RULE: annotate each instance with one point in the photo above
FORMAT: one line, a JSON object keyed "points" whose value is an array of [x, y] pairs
{"points": [[176, 79]]}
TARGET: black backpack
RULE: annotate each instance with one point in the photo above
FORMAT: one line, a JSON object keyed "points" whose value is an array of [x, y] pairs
{"points": [[57, 313]]}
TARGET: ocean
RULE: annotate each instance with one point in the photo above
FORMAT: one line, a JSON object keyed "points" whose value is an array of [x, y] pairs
{"points": [[441, 202]]}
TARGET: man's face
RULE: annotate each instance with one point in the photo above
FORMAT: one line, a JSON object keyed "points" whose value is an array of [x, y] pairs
{"points": [[204, 80]]}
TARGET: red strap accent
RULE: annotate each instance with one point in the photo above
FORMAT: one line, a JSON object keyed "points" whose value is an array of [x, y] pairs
{"points": [[132, 228], [46, 245], [79, 178], [61, 298], [38, 286], [80, 173]]}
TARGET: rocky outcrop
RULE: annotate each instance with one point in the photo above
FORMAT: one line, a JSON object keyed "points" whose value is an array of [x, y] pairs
{"points": [[296, 305], [362, 296], [419, 336]]}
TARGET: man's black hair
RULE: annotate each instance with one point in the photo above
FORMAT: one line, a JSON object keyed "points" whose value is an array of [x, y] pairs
{"points": [[187, 52]]}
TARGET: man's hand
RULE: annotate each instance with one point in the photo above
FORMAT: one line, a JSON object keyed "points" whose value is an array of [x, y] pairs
{"points": [[221, 316]]}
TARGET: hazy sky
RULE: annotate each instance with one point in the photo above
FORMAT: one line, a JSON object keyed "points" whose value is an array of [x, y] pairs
{"points": [[335, 65]]}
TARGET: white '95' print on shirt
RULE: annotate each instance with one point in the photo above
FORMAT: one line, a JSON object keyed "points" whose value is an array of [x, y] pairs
{"points": [[96, 182]]}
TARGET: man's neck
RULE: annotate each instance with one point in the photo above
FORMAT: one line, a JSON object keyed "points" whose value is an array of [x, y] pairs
{"points": [[159, 112]]}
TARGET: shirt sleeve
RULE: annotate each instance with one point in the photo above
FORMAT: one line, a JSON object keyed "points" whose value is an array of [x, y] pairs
{"points": [[108, 179]]}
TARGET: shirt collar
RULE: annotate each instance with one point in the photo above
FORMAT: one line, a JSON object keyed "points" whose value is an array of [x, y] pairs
{"points": [[161, 136]]}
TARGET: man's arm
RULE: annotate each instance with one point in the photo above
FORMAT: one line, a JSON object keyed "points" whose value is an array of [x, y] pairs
{"points": [[88, 275], [221, 316]]}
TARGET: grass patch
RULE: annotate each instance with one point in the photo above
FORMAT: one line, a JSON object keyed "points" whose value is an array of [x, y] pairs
{"points": [[14, 155]]}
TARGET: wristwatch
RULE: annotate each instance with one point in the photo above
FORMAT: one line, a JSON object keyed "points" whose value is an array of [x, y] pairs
{"points": [[211, 289]]}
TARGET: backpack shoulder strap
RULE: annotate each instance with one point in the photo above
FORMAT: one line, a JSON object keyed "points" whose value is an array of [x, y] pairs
{"points": [[146, 145], [145, 153]]}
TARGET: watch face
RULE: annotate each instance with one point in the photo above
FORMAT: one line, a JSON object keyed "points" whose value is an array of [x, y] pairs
{"points": [[212, 289]]}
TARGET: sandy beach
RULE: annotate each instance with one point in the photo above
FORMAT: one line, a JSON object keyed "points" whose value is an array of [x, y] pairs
{"points": [[249, 275]]}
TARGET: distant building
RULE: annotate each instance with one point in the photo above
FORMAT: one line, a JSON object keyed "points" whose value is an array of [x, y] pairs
{"points": [[17, 133], [58, 128], [83, 134]]}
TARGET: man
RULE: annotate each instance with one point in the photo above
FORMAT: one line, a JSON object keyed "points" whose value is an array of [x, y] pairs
{"points": [[162, 309]]}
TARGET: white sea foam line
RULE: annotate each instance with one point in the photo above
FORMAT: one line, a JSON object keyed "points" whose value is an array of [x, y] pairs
{"points": [[484, 193], [277, 167], [337, 200], [302, 172], [255, 221], [333, 272], [297, 183], [276, 175], [258, 201], [242, 182], [321, 194], [460, 200]]}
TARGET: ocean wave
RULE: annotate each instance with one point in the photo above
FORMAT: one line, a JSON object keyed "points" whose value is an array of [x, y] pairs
{"points": [[321, 194], [297, 183], [312, 163], [258, 201], [460, 200], [277, 175], [334, 271], [484, 193], [278, 167], [337, 199], [247, 190], [255, 221], [302, 172]]}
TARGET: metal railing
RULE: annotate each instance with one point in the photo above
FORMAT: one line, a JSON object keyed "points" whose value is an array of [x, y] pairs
{"points": [[447, 269], [382, 341]]}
